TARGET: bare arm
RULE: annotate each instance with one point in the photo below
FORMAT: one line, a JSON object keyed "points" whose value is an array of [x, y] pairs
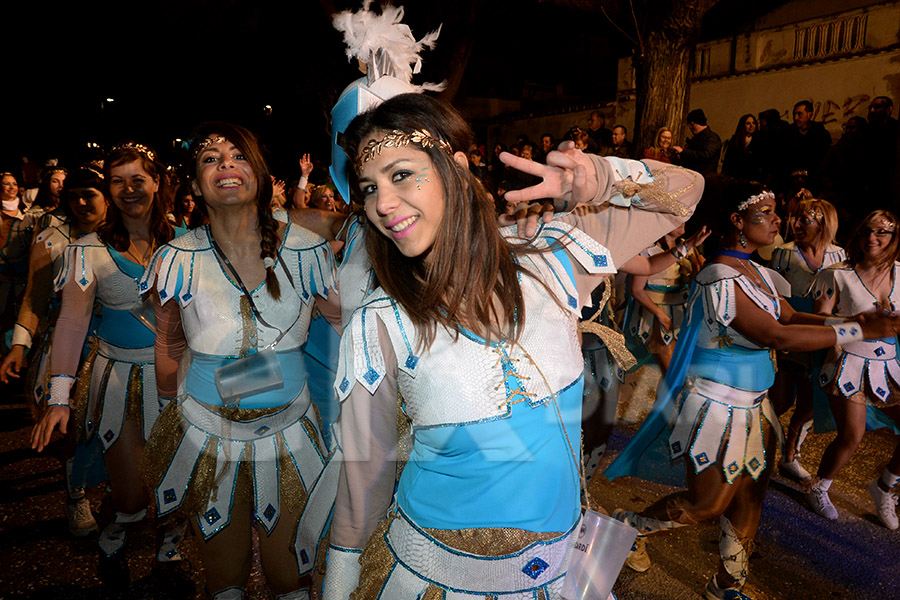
{"points": [[641, 297], [169, 347]]}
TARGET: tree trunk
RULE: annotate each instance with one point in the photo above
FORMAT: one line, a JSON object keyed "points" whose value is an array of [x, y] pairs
{"points": [[663, 68], [662, 77]]}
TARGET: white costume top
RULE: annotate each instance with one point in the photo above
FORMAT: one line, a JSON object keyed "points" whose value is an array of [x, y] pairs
{"points": [[716, 282], [790, 262], [188, 266], [851, 362]]}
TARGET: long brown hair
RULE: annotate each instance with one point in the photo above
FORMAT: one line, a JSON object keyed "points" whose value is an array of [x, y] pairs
{"points": [[471, 278], [243, 139], [854, 246], [113, 231]]}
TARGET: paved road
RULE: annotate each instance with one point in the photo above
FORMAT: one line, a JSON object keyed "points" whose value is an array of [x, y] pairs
{"points": [[799, 555]]}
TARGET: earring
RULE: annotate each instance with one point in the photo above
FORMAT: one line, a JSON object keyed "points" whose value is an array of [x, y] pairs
{"points": [[743, 239]]}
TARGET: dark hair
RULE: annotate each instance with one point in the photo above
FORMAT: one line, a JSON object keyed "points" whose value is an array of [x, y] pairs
{"points": [[113, 231], [82, 177], [622, 127], [854, 244], [806, 104], [197, 216], [267, 225], [471, 264], [43, 199], [721, 198], [887, 100], [697, 116]]}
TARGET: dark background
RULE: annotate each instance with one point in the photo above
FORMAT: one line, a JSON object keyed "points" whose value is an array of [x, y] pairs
{"points": [[171, 64]]}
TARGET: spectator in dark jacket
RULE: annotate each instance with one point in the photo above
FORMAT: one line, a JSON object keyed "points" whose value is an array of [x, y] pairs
{"points": [[806, 144], [701, 152], [741, 157]]}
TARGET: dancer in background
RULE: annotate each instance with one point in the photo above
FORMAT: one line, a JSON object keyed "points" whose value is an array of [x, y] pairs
{"points": [[861, 373], [724, 425], [814, 224], [116, 397], [84, 205]]}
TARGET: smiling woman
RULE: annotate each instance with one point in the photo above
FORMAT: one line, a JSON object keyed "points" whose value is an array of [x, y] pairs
{"points": [[232, 294], [115, 401], [477, 332]]}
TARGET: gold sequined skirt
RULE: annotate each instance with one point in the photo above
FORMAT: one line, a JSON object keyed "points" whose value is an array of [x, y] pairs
{"points": [[378, 561]]}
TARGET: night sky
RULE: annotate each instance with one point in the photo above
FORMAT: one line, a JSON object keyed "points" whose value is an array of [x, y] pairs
{"points": [[169, 65]]}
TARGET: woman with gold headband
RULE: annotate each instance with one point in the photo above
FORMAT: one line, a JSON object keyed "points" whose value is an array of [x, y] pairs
{"points": [[861, 373], [237, 292], [715, 391], [46, 208], [115, 399], [813, 224], [477, 332]]}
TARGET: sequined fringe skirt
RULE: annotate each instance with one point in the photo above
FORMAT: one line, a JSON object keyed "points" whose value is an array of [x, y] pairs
{"points": [[115, 384], [405, 562], [866, 372], [719, 424], [196, 452]]}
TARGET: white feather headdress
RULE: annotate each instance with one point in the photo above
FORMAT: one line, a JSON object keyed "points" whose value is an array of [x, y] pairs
{"points": [[384, 43]]}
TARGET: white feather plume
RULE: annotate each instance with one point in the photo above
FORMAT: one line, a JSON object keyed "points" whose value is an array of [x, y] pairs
{"points": [[384, 43]]}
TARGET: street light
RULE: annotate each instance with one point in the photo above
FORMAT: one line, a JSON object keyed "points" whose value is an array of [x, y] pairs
{"points": [[267, 109]]}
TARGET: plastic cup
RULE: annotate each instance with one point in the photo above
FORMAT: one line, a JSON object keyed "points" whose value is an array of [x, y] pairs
{"points": [[254, 374], [143, 312], [601, 546]]}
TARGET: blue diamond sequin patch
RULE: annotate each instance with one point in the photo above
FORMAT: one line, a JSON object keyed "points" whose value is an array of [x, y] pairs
{"points": [[163, 294], [187, 297], [262, 430], [344, 385], [879, 351], [169, 496], [754, 464], [412, 361], [733, 468], [535, 567], [109, 435], [676, 447], [171, 553], [371, 375], [83, 281], [269, 512], [573, 302], [604, 382], [304, 557], [600, 261], [702, 459], [212, 515], [144, 286], [848, 386], [880, 391]]}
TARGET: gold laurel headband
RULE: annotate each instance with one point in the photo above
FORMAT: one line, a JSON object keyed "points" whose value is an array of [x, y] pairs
{"points": [[398, 139], [754, 199], [205, 143], [137, 147], [882, 223]]}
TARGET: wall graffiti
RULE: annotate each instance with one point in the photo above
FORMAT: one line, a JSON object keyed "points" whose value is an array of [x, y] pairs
{"points": [[832, 111]]}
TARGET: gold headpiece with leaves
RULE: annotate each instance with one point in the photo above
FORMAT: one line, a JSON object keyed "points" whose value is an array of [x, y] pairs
{"points": [[206, 142], [398, 139], [138, 148]]}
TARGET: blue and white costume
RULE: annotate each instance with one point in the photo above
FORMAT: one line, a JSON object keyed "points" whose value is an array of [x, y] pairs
{"points": [[120, 370], [220, 327], [491, 453], [717, 382], [866, 371], [668, 290]]}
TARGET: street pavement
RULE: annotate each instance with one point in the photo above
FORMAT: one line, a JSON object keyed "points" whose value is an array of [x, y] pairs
{"points": [[798, 556]]}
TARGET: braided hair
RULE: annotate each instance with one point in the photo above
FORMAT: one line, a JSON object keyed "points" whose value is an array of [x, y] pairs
{"points": [[268, 227]]}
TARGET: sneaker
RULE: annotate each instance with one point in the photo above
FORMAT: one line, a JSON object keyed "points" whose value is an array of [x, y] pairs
{"points": [[885, 505], [638, 559], [80, 518], [794, 470], [821, 504], [714, 592]]}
